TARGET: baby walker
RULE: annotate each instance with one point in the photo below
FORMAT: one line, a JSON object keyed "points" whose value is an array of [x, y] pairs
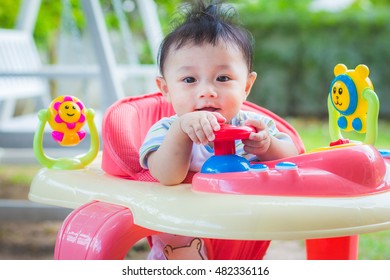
{"points": [[327, 196]]}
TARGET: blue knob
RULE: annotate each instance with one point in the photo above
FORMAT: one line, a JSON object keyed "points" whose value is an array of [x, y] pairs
{"points": [[225, 163], [385, 153], [259, 167], [285, 165]]}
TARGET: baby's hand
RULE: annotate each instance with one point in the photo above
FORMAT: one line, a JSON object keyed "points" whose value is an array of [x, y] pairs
{"points": [[258, 142], [200, 125]]}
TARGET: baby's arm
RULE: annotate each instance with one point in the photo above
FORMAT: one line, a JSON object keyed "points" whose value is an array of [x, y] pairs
{"points": [[170, 162], [265, 146]]}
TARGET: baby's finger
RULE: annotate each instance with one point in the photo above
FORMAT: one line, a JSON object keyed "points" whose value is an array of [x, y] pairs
{"points": [[191, 133], [258, 124], [217, 120], [208, 127], [213, 123], [259, 136]]}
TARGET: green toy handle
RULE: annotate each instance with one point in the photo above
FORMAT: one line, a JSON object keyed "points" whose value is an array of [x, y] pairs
{"points": [[372, 116]]}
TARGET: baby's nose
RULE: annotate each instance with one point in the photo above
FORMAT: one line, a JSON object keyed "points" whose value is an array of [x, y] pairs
{"points": [[208, 92]]}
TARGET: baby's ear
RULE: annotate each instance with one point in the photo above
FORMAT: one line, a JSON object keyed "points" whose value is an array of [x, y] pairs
{"points": [[249, 82], [162, 86], [340, 69]]}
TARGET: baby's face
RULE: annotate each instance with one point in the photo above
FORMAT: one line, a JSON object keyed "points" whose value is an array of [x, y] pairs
{"points": [[206, 77]]}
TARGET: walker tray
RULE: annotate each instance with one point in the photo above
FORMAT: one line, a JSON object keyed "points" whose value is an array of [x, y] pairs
{"points": [[314, 199]]}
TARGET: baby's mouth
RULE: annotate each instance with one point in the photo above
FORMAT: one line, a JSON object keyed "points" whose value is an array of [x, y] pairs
{"points": [[209, 109]]}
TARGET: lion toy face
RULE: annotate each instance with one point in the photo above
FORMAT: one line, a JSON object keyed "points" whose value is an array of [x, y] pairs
{"points": [[67, 117], [346, 96], [341, 96]]}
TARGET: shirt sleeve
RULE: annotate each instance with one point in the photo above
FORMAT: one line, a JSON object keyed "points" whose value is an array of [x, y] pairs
{"points": [[154, 139]]}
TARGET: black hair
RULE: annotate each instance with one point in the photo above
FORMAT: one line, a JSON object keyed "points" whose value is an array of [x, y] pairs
{"points": [[207, 23]]}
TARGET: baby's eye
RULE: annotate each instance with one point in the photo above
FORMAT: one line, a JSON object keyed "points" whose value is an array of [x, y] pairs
{"points": [[189, 80], [223, 79]]}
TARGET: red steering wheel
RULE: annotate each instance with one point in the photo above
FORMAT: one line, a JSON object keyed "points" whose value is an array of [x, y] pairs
{"points": [[224, 138]]}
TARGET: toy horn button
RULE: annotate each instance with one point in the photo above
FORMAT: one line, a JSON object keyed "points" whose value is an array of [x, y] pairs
{"points": [[285, 165], [230, 132]]}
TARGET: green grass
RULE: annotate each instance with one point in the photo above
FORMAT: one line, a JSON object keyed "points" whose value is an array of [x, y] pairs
{"points": [[375, 246], [314, 134]]}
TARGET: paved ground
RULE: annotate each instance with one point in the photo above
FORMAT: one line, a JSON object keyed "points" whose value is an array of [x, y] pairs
{"points": [[286, 250]]}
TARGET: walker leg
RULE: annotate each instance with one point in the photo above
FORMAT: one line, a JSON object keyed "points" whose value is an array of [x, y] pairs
{"points": [[338, 248], [98, 230]]}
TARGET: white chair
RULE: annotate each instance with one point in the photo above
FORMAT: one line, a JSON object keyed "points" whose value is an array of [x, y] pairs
{"points": [[22, 75], [18, 52]]}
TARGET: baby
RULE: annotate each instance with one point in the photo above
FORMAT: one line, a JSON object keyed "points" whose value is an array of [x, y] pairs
{"points": [[206, 73]]}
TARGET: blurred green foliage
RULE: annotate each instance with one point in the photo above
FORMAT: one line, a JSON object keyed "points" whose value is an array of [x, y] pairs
{"points": [[296, 49], [8, 13], [52, 16]]}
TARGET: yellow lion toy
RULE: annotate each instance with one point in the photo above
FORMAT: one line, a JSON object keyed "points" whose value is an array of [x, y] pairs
{"points": [[352, 103]]}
